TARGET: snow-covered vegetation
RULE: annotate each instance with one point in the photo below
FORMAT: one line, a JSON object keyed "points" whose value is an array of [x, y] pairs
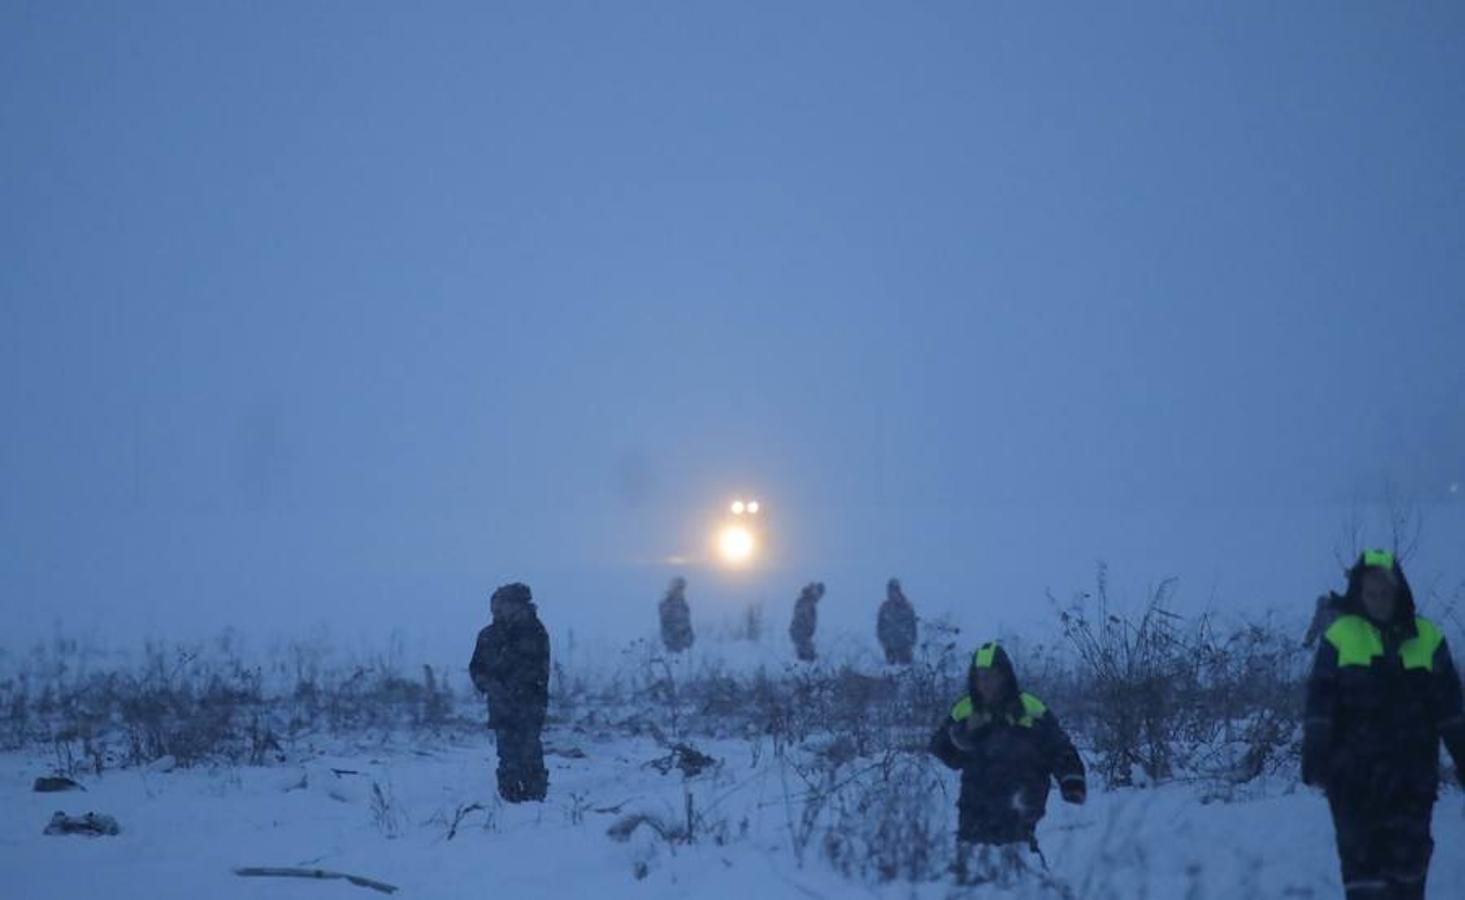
{"points": [[728, 769]]}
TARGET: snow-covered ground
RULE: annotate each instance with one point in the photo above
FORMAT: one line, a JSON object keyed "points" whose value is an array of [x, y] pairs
{"points": [[793, 807], [385, 811]]}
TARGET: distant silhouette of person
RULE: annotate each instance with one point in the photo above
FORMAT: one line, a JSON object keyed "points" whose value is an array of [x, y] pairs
{"points": [[676, 617], [806, 620], [511, 667], [1382, 695], [895, 626]]}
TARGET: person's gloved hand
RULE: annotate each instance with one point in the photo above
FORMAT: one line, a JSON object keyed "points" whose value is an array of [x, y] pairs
{"points": [[1074, 789]]}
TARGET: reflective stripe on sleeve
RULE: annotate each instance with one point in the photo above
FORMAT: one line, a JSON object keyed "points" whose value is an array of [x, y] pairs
{"points": [[1369, 885]]}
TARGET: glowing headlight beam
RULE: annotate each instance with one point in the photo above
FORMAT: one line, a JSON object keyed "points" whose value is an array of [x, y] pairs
{"points": [[738, 507], [753, 507], [736, 544]]}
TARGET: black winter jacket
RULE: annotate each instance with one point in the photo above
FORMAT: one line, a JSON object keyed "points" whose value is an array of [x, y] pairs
{"points": [[511, 666], [1008, 756], [1380, 699], [895, 625]]}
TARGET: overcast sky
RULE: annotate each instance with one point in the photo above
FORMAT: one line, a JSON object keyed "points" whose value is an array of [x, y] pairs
{"points": [[347, 312]]}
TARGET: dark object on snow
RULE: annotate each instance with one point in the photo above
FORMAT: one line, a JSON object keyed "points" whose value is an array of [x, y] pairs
{"points": [[1382, 696], [896, 625], [54, 784], [1008, 752], [806, 620], [91, 825], [691, 761], [621, 830], [511, 667], [676, 617], [291, 872]]}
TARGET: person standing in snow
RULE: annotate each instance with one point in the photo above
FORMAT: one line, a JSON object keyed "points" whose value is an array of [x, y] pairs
{"points": [[1009, 749], [510, 667], [1382, 695], [895, 626], [676, 617], [806, 619]]}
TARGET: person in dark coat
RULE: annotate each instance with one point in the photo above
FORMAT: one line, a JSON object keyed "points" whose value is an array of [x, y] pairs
{"points": [[806, 619], [1382, 695], [1009, 749], [895, 625], [510, 667], [676, 617]]}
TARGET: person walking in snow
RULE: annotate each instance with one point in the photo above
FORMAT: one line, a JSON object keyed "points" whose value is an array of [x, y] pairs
{"points": [[895, 625], [1009, 749], [510, 666], [676, 617], [806, 619], [1382, 695]]}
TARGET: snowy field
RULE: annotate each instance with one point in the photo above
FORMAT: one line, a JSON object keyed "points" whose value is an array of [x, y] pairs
{"points": [[787, 811], [184, 831]]}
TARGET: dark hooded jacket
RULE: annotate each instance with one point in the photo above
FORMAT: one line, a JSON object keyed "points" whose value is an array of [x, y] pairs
{"points": [[676, 618], [511, 661], [1380, 699], [895, 625], [806, 619], [1008, 755]]}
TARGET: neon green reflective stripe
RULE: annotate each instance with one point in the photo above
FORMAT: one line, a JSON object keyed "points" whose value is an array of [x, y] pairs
{"points": [[1418, 652], [1033, 710], [985, 656], [1381, 558], [962, 710], [1356, 640]]}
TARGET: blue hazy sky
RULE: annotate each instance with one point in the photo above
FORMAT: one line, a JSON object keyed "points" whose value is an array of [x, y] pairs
{"points": [[350, 311]]}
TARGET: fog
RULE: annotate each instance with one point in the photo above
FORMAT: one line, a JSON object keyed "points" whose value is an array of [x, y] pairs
{"points": [[348, 313]]}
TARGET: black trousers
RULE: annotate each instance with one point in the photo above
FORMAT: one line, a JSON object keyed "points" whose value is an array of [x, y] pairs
{"points": [[1001, 823], [1384, 849], [521, 772]]}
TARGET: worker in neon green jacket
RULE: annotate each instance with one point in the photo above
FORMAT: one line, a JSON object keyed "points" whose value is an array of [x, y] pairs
{"points": [[1382, 696], [1009, 749]]}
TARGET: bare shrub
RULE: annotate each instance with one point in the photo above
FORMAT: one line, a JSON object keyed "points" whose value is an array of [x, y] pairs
{"points": [[1137, 671], [885, 824], [384, 812], [203, 702], [1154, 694], [1161, 695]]}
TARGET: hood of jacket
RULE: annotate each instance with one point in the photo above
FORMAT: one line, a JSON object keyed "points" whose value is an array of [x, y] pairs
{"points": [[1404, 609], [991, 656]]}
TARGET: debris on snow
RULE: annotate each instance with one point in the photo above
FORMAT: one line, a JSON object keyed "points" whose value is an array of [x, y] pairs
{"points": [[92, 825], [54, 784], [291, 872], [691, 761]]}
